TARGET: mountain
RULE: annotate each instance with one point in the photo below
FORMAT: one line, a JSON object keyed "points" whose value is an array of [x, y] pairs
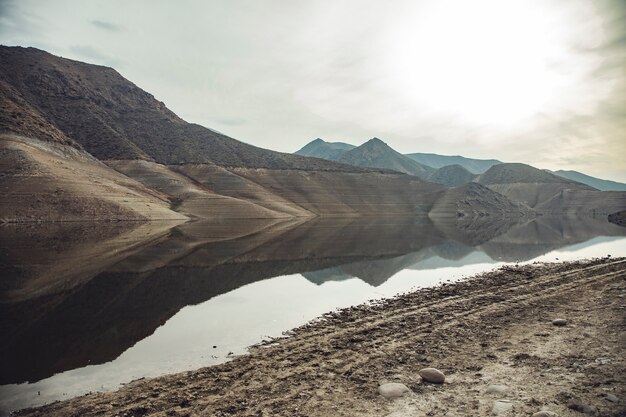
{"points": [[80, 142], [600, 184], [475, 166], [377, 154], [451, 176], [548, 193], [319, 148]]}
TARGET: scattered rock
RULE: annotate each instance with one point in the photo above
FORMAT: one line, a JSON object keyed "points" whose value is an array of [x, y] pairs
{"points": [[544, 413], [501, 407], [486, 378], [497, 389], [612, 398], [432, 375], [559, 322], [393, 390]]}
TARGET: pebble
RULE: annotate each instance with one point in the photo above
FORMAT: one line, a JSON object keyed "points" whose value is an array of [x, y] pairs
{"points": [[501, 407], [497, 389], [486, 378], [544, 413], [559, 322], [432, 375], [612, 398], [393, 390]]}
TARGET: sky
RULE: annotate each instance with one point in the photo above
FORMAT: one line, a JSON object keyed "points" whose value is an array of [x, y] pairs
{"points": [[540, 82]]}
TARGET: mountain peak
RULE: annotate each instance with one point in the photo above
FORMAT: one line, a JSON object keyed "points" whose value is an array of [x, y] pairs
{"points": [[375, 142], [377, 154]]}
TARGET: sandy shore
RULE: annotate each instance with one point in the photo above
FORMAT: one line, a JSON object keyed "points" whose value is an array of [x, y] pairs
{"points": [[493, 329]]}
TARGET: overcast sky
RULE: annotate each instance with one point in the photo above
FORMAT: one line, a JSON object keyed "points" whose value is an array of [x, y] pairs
{"points": [[541, 82]]}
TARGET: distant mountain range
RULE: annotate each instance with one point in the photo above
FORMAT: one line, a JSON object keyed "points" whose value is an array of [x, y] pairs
{"points": [[475, 166], [441, 169], [333, 151], [600, 184]]}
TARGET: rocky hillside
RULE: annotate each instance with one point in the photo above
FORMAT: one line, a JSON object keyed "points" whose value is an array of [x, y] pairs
{"points": [[522, 173], [112, 118], [451, 176], [319, 148], [377, 154]]}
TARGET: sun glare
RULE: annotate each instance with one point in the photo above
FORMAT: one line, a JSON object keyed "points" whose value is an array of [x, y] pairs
{"points": [[486, 61]]}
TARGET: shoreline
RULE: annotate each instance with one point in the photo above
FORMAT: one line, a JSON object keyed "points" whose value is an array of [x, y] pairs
{"points": [[493, 328]]}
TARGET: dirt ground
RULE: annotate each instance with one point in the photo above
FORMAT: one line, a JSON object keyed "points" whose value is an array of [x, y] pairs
{"points": [[492, 329]]}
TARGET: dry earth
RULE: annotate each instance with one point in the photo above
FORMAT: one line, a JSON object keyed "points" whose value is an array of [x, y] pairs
{"points": [[495, 328]]}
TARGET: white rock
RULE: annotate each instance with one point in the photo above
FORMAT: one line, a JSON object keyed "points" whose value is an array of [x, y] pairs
{"points": [[393, 390], [501, 407], [497, 389]]}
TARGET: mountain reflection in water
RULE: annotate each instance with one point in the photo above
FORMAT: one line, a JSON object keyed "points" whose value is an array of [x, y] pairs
{"points": [[75, 295]]}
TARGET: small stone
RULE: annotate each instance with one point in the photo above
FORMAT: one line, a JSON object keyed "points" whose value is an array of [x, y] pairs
{"points": [[432, 375], [486, 378], [497, 389], [544, 413], [393, 390], [501, 407], [559, 322], [612, 398]]}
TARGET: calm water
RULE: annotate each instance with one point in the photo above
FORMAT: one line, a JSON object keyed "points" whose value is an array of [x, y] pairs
{"points": [[89, 307]]}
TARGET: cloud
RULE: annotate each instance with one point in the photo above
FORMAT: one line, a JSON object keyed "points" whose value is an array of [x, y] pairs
{"points": [[100, 24]]}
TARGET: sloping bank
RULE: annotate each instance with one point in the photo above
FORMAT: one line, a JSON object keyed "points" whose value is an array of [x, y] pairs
{"points": [[492, 329]]}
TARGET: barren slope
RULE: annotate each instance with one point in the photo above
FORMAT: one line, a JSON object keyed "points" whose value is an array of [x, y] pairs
{"points": [[50, 181], [194, 199]]}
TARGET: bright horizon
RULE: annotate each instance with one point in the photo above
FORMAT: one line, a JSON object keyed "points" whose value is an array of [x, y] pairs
{"points": [[539, 82]]}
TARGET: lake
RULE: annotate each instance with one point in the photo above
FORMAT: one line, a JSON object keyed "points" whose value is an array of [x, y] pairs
{"points": [[87, 307]]}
